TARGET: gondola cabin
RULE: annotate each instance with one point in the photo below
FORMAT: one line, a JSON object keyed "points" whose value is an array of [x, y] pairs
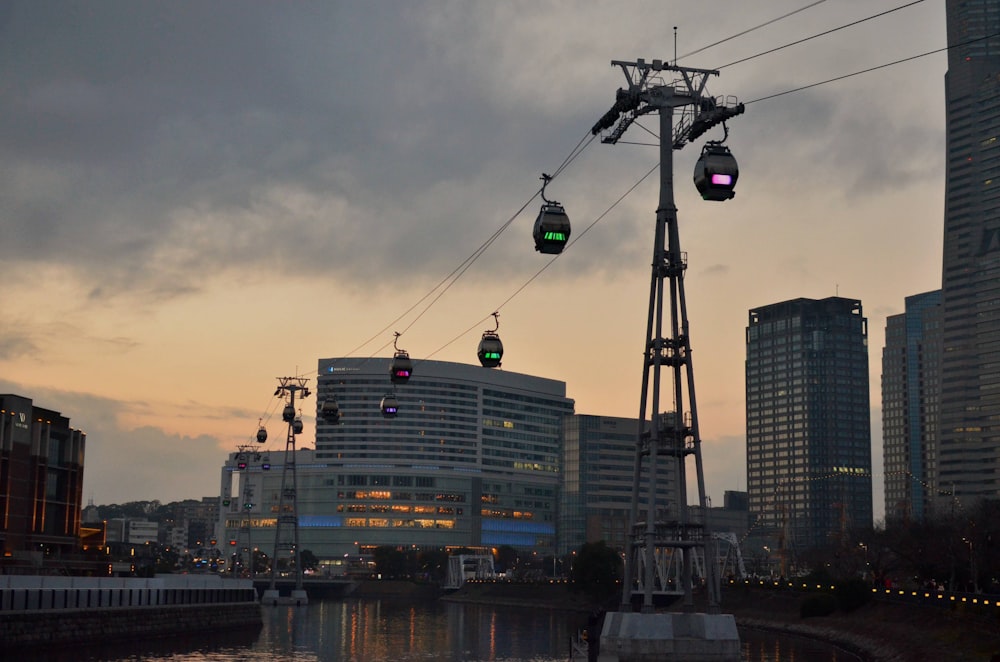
{"points": [[401, 368], [551, 229], [389, 406], [716, 172], [297, 426], [329, 411], [261, 435], [490, 350], [288, 414]]}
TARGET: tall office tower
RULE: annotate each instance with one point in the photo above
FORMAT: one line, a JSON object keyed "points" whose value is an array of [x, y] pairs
{"points": [[808, 421], [911, 392], [969, 446]]}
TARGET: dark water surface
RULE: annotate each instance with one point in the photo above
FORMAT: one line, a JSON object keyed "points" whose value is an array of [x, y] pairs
{"points": [[388, 631]]}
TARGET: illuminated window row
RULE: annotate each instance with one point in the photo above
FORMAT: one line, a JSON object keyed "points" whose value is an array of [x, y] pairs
{"points": [[382, 523]]}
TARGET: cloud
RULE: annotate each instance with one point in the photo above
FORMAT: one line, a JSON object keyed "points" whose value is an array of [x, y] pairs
{"points": [[125, 463], [173, 174], [15, 343]]}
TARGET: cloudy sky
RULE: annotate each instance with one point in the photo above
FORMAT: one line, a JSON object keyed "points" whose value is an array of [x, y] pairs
{"points": [[198, 197]]}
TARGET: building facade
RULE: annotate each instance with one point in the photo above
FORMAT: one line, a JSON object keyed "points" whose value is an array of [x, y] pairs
{"points": [[911, 393], [41, 482], [598, 463], [969, 444], [808, 420], [470, 459]]}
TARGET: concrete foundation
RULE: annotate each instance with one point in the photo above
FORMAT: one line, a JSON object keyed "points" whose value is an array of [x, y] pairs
{"points": [[272, 598], [634, 637]]}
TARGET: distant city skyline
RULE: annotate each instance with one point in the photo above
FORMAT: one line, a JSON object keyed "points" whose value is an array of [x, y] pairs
{"points": [[201, 198]]}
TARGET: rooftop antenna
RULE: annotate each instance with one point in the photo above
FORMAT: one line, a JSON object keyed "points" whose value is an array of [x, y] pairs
{"points": [[675, 45]]}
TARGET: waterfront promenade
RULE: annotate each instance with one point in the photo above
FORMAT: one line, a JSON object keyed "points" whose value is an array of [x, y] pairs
{"points": [[891, 626]]}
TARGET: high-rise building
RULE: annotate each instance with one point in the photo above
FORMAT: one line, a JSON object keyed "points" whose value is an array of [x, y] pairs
{"points": [[969, 444], [471, 458], [596, 496], [808, 421], [41, 482], [911, 391]]}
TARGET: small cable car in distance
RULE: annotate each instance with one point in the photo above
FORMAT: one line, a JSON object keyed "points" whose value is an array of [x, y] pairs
{"points": [[297, 425], [329, 411], [401, 367], [261, 434], [389, 405], [288, 414], [552, 227], [716, 172], [490, 348]]}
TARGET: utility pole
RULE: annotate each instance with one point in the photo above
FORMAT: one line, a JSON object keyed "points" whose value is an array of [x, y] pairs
{"points": [[288, 515], [668, 437]]}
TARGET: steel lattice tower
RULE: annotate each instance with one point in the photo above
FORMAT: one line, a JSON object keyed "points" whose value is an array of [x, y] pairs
{"points": [[666, 438], [288, 515]]}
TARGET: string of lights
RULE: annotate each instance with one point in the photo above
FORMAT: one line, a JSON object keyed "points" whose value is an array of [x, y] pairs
{"points": [[772, 499]]}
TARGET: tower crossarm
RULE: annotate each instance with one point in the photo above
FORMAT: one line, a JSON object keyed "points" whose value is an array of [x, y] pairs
{"points": [[648, 90]]}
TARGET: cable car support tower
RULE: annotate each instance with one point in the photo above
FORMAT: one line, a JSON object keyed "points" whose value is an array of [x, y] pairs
{"points": [[288, 514], [668, 434]]}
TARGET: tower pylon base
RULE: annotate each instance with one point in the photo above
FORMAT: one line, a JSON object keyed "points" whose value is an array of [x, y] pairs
{"points": [[664, 637]]}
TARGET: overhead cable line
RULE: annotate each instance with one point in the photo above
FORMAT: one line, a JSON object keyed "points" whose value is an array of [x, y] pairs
{"points": [[458, 271], [870, 69], [821, 34], [740, 34], [549, 263]]}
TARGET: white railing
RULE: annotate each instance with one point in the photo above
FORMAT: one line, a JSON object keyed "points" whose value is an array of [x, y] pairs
{"points": [[29, 592]]}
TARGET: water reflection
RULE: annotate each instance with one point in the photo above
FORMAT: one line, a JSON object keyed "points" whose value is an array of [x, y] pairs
{"points": [[758, 646], [385, 630], [373, 630]]}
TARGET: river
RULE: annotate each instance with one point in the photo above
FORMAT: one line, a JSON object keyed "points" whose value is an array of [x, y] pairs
{"points": [[387, 631]]}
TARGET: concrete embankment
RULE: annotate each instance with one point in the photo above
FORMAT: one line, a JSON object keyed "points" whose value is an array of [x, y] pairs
{"points": [[81, 627], [545, 595], [382, 589], [878, 631], [63, 611]]}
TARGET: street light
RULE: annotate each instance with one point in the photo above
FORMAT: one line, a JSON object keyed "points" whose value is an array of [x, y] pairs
{"points": [[972, 564]]}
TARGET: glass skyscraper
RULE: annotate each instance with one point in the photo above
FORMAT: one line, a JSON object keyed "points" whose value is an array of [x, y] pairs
{"points": [[808, 421], [911, 390], [969, 445]]}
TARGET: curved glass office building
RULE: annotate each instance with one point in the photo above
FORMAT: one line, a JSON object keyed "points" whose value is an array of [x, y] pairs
{"points": [[470, 459]]}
